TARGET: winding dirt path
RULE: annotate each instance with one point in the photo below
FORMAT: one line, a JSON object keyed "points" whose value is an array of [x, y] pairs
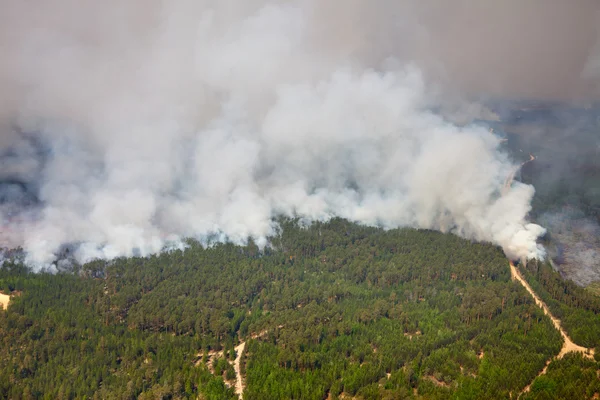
{"points": [[568, 345], [240, 385], [239, 381], [511, 176]]}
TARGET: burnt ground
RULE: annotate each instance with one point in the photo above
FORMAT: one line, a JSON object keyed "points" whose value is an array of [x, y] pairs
{"points": [[566, 175]]}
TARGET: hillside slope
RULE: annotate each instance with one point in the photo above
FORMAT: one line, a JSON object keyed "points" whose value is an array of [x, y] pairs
{"points": [[335, 310]]}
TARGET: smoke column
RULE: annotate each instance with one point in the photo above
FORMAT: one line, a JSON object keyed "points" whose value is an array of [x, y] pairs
{"points": [[127, 126]]}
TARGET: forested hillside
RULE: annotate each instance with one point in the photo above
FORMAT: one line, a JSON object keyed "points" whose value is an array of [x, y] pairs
{"points": [[334, 310]]}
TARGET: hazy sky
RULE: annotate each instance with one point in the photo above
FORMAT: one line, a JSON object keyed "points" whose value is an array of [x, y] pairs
{"points": [[511, 48]]}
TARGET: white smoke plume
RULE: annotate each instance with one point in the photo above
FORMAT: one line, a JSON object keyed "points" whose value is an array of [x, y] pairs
{"points": [[139, 123]]}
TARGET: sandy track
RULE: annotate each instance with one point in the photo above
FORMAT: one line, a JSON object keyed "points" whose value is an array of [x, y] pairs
{"points": [[239, 349], [4, 300], [568, 345], [239, 382]]}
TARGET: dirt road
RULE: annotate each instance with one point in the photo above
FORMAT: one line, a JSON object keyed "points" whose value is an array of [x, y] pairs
{"points": [[239, 349], [239, 382], [511, 176], [568, 345]]}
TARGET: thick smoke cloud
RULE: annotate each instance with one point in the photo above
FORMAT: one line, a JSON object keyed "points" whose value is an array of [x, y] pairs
{"points": [[127, 125]]}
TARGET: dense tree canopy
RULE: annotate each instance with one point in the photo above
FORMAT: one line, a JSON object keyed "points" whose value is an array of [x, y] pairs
{"points": [[331, 310], [577, 308]]}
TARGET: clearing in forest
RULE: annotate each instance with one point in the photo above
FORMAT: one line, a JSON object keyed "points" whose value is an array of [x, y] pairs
{"points": [[4, 300]]}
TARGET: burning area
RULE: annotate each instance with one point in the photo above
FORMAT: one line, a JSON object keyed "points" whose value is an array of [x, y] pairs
{"points": [[128, 126]]}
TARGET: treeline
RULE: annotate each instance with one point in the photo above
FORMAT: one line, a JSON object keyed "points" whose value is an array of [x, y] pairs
{"points": [[577, 308], [331, 310]]}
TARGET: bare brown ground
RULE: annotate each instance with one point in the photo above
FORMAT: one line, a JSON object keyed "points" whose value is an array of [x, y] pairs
{"points": [[568, 345]]}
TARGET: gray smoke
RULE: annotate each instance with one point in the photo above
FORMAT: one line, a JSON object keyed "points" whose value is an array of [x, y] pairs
{"points": [[127, 126], [575, 244]]}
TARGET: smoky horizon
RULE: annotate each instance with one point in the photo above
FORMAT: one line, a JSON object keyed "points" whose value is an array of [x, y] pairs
{"points": [[129, 125]]}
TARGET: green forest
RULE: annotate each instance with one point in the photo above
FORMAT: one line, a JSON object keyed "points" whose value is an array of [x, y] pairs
{"points": [[576, 307], [328, 311]]}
